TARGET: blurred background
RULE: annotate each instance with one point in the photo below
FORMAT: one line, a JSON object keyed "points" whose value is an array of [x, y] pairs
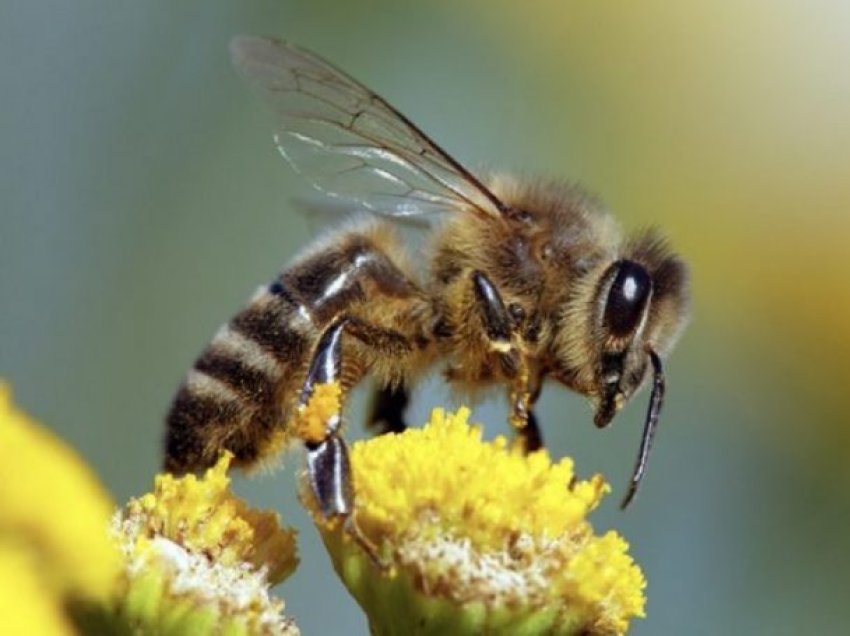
{"points": [[142, 200]]}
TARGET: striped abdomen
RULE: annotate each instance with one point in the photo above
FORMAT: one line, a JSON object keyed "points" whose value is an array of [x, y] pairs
{"points": [[240, 390]]}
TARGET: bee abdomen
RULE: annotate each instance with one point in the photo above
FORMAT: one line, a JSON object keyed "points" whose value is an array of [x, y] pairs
{"points": [[243, 386], [236, 394], [240, 362], [276, 326], [206, 416]]}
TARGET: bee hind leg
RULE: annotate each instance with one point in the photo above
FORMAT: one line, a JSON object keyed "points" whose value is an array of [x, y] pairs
{"points": [[328, 467], [329, 472], [328, 463]]}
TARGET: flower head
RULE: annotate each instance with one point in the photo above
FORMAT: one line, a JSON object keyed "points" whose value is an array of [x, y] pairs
{"points": [[199, 559], [481, 537]]}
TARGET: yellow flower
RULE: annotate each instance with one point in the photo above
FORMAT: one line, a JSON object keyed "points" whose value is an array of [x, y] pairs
{"points": [[199, 561], [27, 604], [54, 547], [480, 538]]}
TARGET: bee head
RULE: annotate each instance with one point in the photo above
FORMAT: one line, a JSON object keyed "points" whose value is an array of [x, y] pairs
{"points": [[624, 296], [640, 309], [621, 313]]}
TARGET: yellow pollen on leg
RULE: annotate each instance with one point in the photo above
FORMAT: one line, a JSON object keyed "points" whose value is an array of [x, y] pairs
{"points": [[311, 420]]}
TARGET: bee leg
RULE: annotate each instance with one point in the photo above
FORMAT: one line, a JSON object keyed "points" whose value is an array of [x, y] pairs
{"points": [[381, 340], [328, 467], [329, 472], [497, 322], [328, 463], [532, 438], [533, 435], [500, 330], [523, 398], [387, 411]]}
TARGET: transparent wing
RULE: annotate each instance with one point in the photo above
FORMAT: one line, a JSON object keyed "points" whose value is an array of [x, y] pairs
{"points": [[322, 211], [349, 142]]}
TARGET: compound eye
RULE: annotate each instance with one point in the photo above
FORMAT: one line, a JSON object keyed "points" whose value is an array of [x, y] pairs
{"points": [[627, 298]]}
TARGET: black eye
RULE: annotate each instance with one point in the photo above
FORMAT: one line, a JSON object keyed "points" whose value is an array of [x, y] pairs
{"points": [[627, 298]]}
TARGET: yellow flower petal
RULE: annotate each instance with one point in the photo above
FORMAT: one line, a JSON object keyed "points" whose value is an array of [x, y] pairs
{"points": [[27, 604], [52, 505]]}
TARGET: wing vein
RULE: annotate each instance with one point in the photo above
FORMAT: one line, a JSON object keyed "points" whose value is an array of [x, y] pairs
{"points": [[350, 142]]}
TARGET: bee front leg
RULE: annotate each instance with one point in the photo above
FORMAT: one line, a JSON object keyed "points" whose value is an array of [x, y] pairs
{"points": [[532, 438], [501, 332], [530, 435], [522, 398], [494, 314]]}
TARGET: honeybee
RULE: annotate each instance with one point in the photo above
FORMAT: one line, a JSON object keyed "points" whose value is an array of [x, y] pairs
{"points": [[523, 282]]}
